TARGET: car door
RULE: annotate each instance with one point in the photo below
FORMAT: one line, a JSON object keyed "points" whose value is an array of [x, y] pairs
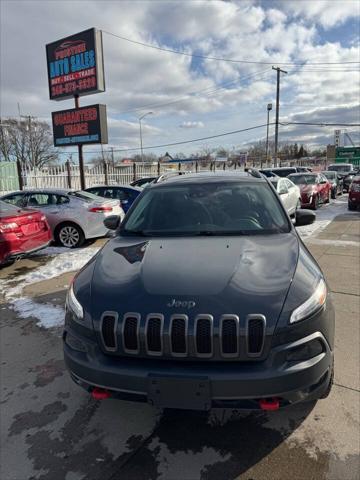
{"points": [[284, 194], [293, 195], [46, 203]]}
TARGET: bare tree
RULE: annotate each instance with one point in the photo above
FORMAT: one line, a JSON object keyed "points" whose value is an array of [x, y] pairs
{"points": [[28, 141]]}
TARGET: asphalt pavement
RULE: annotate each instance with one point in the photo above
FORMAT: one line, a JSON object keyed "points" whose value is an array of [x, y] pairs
{"points": [[53, 430]]}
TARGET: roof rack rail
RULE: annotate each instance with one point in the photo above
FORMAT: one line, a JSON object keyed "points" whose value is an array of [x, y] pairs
{"points": [[166, 175], [253, 172]]}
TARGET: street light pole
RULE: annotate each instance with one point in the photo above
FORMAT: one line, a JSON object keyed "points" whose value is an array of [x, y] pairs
{"points": [[269, 107], [141, 144], [278, 71]]}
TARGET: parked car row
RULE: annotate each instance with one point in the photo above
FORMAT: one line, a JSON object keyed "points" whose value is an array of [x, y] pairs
{"points": [[73, 216]]}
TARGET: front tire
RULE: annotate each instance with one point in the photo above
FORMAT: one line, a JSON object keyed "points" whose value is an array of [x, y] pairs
{"points": [[328, 197], [315, 203], [69, 235], [351, 207], [333, 193]]}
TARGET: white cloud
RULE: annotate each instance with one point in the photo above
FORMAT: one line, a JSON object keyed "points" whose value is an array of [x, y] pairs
{"points": [[190, 124], [328, 13]]}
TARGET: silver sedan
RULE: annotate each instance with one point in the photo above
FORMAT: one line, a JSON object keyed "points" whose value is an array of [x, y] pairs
{"points": [[289, 194], [73, 216]]}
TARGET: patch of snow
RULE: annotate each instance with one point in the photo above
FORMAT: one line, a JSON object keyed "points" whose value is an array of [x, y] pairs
{"points": [[48, 315], [324, 216], [62, 260]]}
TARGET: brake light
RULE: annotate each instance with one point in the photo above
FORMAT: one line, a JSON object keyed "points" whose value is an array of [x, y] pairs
{"points": [[10, 227], [100, 209]]}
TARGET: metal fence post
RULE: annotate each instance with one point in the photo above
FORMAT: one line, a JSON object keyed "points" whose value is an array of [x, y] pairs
{"points": [[179, 166], [68, 171], [19, 172], [196, 167], [106, 173], [134, 171], [158, 169]]}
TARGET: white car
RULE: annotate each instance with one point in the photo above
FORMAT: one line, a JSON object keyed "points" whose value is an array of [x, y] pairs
{"points": [[289, 193], [73, 216]]}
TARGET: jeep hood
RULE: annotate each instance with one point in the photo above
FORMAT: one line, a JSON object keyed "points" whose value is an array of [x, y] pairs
{"points": [[240, 275]]}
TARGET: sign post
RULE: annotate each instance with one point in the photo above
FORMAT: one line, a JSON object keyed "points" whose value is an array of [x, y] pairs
{"points": [[75, 67]]}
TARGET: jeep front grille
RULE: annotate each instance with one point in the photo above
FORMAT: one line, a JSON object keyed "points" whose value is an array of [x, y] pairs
{"points": [[178, 335], [153, 334], [108, 331], [255, 334], [131, 326], [181, 336]]}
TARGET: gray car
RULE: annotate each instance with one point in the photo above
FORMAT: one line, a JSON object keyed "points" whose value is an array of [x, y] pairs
{"points": [[73, 216], [206, 297]]}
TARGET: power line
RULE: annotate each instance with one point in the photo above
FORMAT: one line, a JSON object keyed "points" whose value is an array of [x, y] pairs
{"points": [[183, 142], [190, 95], [322, 124], [205, 57]]}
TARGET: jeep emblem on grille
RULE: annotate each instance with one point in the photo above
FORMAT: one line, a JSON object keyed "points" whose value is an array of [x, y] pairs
{"points": [[181, 303]]}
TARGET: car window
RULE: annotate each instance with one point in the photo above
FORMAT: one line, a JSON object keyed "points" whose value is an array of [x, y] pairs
{"points": [[226, 208], [81, 194], [303, 179], [288, 183], [62, 199], [8, 208], [15, 199], [40, 200], [96, 191]]}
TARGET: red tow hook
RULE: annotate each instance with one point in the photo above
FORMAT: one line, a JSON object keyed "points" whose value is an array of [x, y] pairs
{"points": [[100, 394], [269, 404]]}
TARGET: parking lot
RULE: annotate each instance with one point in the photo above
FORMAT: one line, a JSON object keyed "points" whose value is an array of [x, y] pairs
{"points": [[53, 430]]}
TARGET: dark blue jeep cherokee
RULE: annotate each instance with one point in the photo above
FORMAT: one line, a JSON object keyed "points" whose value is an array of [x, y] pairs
{"points": [[206, 297]]}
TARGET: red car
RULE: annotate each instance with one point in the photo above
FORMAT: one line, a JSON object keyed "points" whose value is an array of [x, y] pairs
{"points": [[315, 189], [354, 193], [21, 232]]}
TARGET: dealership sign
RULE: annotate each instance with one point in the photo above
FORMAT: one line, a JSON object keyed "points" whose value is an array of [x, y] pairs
{"points": [[79, 126], [75, 65]]}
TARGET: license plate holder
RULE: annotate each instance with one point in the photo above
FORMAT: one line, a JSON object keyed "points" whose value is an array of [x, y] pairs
{"points": [[179, 392]]}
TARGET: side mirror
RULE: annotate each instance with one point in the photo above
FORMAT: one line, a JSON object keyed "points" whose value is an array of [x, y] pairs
{"points": [[304, 217], [112, 222]]}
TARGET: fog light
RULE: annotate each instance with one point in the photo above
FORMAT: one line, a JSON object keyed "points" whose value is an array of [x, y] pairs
{"points": [[75, 343], [305, 352]]}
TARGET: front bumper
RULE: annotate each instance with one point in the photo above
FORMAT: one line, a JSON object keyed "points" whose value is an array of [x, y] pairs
{"points": [[225, 384]]}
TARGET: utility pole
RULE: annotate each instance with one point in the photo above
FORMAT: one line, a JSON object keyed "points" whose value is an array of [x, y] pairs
{"points": [[112, 156], [141, 144], [269, 107], [278, 70]]}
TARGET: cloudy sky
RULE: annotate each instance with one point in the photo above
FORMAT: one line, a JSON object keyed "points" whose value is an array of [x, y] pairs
{"points": [[192, 96]]}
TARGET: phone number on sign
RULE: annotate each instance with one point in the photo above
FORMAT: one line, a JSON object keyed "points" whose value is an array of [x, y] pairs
{"points": [[72, 87]]}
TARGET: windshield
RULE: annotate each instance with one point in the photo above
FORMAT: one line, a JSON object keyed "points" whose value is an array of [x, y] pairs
{"points": [[87, 196], [303, 179], [330, 175], [7, 208], [340, 168], [228, 208]]}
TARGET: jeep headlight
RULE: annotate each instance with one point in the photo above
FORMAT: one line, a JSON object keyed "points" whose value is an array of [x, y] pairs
{"points": [[73, 304], [312, 304]]}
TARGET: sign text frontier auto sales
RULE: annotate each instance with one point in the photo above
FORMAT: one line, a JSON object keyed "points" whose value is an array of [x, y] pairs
{"points": [[79, 126], [75, 65]]}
